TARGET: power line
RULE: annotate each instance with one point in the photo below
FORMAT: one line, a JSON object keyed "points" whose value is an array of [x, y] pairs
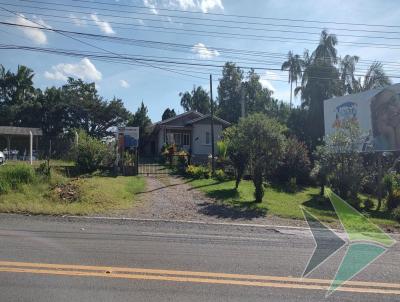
{"points": [[153, 44], [95, 36], [182, 17], [198, 24], [267, 38], [237, 16], [83, 42], [123, 58]]}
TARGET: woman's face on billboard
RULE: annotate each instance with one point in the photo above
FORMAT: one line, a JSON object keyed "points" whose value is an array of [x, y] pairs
{"points": [[387, 118]]}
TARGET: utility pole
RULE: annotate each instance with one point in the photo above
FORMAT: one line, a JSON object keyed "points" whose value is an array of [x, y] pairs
{"points": [[242, 96], [212, 128]]}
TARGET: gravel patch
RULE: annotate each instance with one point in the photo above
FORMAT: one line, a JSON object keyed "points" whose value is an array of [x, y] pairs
{"points": [[172, 197]]}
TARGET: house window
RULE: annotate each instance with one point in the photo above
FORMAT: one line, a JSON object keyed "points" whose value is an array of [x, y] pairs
{"points": [[177, 139], [208, 140], [186, 139]]}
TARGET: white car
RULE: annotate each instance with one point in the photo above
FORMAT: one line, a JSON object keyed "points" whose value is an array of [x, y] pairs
{"points": [[2, 158]]}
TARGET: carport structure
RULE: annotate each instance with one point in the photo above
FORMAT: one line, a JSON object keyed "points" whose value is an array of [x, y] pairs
{"points": [[10, 133]]}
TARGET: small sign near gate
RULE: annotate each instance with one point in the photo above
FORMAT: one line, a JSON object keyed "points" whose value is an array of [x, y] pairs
{"points": [[131, 136]]}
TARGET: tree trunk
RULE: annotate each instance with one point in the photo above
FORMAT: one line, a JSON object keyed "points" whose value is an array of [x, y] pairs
{"points": [[258, 184]]}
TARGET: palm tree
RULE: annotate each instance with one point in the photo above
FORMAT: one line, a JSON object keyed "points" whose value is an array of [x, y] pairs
{"points": [[294, 65], [347, 68], [326, 52], [374, 78], [23, 83]]}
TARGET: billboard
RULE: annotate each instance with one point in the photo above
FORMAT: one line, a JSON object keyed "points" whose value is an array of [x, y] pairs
{"points": [[376, 111], [130, 136]]}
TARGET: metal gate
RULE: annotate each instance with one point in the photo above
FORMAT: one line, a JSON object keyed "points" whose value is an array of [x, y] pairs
{"points": [[151, 166]]}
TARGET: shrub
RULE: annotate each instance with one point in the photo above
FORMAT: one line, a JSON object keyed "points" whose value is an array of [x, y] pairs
{"points": [[12, 177], [220, 175], [341, 162], [197, 172], [222, 148], [368, 204], [90, 153], [295, 163], [393, 200], [44, 169], [183, 160], [396, 214], [391, 182]]}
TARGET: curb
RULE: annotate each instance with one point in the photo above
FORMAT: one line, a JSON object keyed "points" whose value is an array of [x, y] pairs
{"points": [[265, 226]]}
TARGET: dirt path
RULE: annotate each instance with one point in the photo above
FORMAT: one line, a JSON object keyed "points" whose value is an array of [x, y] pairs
{"points": [[169, 197], [172, 197]]}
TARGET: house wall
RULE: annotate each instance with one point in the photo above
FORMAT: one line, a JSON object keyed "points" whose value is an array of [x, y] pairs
{"points": [[199, 130]]}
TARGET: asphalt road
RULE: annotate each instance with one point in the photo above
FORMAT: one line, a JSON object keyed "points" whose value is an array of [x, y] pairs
{"points": [[59, 259]]}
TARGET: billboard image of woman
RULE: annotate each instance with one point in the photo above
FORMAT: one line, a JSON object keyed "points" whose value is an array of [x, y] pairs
{"points": [[385, 116]]}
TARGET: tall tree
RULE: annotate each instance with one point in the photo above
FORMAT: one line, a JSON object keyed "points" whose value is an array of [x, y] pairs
{"points": [[16, 89], [294, 66], [260, 100], [198, 99], [141, 119], [374, 78], [230, 93], [168, 113], [89, 111], [347, 69], [320, 81]]}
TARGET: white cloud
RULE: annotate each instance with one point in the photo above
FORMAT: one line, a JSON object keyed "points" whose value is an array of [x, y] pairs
{"points": [[203, 52], [207, 5], [151, 4], [203, 5], [124, 84], [266, 78], [77, 21], [35, 34], [185, 4], [104, 26], [84, 70]]}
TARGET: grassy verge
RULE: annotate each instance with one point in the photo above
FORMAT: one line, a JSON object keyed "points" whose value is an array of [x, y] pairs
{"points": [[90, 195], [279, 203]]}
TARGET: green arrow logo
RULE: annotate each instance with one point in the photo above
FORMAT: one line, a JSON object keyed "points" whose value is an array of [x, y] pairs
{"points": [[366, 240]]}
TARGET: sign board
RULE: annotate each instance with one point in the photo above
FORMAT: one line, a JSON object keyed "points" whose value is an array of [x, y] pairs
{"points": [[376, 111], [130, 136]]}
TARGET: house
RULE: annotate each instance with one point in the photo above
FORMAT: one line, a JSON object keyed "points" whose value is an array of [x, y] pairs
{"points": [[190, 131]]}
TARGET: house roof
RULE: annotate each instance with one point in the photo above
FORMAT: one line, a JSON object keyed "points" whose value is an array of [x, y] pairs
{"points": [[217, 119], [178, 117], [10, 130]]}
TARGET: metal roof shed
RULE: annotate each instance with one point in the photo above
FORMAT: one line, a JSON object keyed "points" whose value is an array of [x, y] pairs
{"points": [[11, 131]]}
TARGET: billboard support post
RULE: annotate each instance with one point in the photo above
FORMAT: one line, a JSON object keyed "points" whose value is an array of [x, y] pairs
{"points": [[379, 180]]}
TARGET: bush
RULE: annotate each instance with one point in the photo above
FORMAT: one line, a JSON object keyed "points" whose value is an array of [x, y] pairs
{"points": [[396, 214], [197, 172], [393, 200], [368, 205], [12, 177], [90, 153], [391, 182], [44, 169], [220, 175], [183, 160], [295, 163]]}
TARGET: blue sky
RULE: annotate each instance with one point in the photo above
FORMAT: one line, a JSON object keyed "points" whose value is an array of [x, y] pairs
{"points": [[160, 89]]}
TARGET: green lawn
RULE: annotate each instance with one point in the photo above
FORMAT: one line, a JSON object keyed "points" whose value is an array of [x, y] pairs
{"points": [[277, 202], [96, 195]]}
